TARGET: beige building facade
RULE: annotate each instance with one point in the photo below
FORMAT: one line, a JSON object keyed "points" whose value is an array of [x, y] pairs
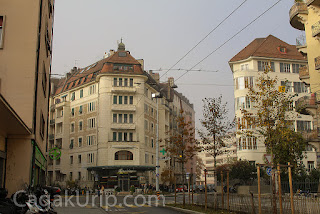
{"points": [[104, 121], [285, 61], [25, 63], [304, 16]]}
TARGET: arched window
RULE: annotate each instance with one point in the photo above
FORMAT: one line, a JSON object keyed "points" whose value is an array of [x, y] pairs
{"points": [[123, 155]]}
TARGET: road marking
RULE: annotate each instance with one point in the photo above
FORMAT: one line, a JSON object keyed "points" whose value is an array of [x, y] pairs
{"points": [[145, 205], [132, 206], [105, 207], [119, 207], [88, 206]]}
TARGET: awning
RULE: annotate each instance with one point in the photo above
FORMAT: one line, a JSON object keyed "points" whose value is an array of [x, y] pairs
{"points": [[99, 168]]}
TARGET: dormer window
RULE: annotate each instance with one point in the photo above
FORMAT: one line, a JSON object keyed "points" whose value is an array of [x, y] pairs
{"points": [[282, 49]]}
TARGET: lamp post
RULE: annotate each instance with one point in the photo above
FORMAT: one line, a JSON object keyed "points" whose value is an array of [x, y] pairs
{"points": [[157, 95]]}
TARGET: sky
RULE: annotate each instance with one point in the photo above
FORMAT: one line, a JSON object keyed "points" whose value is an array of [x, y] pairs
{"points": [[162, 31]]}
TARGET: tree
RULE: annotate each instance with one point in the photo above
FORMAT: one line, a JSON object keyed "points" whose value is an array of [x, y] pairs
{"points": [[200, 167], [216, 126], [272, 119], [243, 170], [182, 144]]}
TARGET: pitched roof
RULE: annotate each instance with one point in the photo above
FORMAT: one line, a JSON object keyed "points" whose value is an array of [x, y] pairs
{"points": [[268, 47], [79, 76]]}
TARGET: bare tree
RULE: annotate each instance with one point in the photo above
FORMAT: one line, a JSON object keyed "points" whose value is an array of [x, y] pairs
{"points": [[216, 126]]}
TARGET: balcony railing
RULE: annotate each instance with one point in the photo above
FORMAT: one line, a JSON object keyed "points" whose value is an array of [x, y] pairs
{"points": [[296, 9], [313, 2], [304, 72], [317, 63], [310, 135], [305, 104], [316, 29]]}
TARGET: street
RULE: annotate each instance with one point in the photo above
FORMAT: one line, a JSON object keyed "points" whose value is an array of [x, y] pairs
{"points": [[113, 204]]}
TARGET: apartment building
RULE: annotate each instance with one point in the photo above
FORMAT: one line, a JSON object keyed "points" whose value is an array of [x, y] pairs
{"points": [[25, 62], [103, 118], [285, 61], [304, 16]]}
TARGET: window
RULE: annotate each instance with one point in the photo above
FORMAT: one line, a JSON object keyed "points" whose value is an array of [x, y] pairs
{"points": [[92, 89], [71, 143], [115, 99], [91, 140], [131, 137], [73, 96], [114, 136], [310, 165], [42, 126], [244, 67], [80, 125], [243, 82], [130, 118], [300, 87], [115, 118], [44, 80], [125, 100], [91, 106], [71, 159], [152, 159], [125, 136], [70, 175], [123, 155], [288, 85], [120, 82], [90, 157], [119, 136], [131, 100], [72, 127], [120, 118], [152, 143], [79, 158], [79, 176], [295, 68], [125, 118], [146, 124], [80, 109], [91, 123], [125, 82], [242, 103], [303, 125], [1, 30], [263, 65], [115, 82], [80, 141], [81, 93], [72, 112], [146, 157], [131, 82], [120, 99], [284, 68]]}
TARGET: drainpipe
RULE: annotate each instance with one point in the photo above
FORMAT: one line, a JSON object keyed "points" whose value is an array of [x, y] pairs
{"points": [[34, 125], [5, 163]]}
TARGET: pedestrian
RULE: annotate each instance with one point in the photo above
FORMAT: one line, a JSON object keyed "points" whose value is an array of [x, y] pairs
{"points": [[98, 191]]}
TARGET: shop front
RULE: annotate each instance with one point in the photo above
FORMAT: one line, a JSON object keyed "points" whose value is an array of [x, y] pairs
{"points": [[121, 177]]}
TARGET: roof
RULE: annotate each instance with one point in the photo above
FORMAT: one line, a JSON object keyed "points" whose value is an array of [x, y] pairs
{"points": [[268, 47], [80, 76]]}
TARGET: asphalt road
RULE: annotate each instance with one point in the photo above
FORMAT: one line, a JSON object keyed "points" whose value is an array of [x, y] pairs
{"points": [[112, 204]]}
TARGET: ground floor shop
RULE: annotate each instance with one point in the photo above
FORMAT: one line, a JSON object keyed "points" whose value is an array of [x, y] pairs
{"points": [[123, 177]]}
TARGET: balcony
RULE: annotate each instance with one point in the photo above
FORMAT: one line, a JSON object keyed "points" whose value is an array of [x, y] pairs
{"points": [[123, 89], [296, 10], [51, 136], [317, 63], [316, 29], [304, 72], [310, 135], [306, 105], [52, 122], [313, 2], [127, 126]]}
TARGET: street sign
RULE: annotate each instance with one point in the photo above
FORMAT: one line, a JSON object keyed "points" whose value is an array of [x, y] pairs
{"points": [[269, 171], [164, 158], [268, 158], [282, 88]]}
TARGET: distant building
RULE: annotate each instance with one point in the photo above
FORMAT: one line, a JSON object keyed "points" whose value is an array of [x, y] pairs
{"points": [[285, 62], [304, 16], [104, 120], [25, 63]]}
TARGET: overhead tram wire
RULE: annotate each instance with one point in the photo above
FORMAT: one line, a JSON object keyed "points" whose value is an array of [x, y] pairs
{"points": [[183, 69], [230, 38], [204, 38]]}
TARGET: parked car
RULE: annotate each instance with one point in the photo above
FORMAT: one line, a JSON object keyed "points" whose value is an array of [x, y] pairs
{"points": [[181, 189], [211, 188]]}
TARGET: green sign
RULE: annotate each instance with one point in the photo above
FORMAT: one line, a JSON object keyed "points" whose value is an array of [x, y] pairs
{"points": [[163, 151], [55, 153]]}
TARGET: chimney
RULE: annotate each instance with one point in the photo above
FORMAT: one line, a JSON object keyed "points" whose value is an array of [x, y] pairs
{"points": [[73, 70], [141, 61], [171, 81], [155, 76], [111, 52]]}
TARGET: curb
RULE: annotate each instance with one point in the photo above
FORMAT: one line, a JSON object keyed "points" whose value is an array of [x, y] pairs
{"points": [[183, 210]]}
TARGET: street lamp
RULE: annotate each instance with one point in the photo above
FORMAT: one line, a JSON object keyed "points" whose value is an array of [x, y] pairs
{"points": [[157, 95]]}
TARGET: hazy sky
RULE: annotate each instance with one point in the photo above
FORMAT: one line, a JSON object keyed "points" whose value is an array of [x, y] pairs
{"points": [[162, 31]]}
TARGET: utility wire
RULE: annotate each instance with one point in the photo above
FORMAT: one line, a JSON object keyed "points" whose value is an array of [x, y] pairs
{"points": [[230, 38], [183, 69], [204, 38]]}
